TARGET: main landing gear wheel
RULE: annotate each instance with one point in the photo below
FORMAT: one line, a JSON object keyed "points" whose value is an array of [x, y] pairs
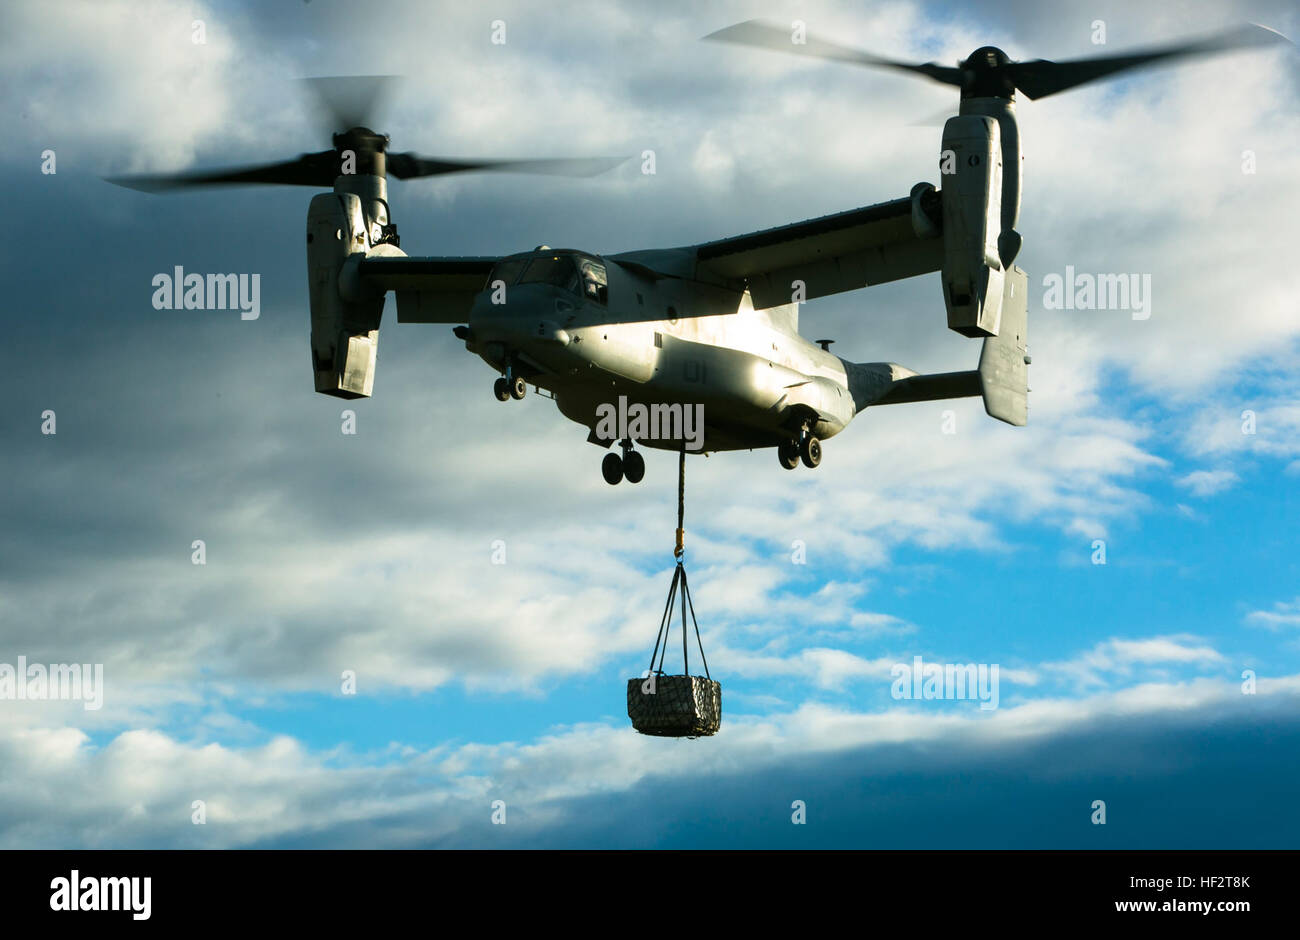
{"points": [[810, 450], [630, 466], [788, 454], [501, 388], [633, 467], [518, 388], [611, 468]]}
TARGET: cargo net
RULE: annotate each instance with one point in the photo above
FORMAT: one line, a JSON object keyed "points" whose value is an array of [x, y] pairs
{"points": [[682, 706]]}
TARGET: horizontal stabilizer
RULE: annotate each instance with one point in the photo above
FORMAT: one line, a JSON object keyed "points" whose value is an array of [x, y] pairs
{"points": [[931, 388]]}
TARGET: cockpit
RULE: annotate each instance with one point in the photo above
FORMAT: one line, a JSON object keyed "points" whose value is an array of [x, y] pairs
{"points": [[570, 271]]}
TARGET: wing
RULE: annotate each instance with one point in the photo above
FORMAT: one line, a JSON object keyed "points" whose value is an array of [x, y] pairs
{"points": [[429, 290], [830, 254]]}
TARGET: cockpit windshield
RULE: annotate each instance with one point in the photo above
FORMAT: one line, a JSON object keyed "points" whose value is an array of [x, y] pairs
{"points": [[575, 273], [552, 269], [506, 271]]}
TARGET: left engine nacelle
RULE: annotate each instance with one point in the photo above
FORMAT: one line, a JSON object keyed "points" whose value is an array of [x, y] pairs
{"points": [[344, 322]]}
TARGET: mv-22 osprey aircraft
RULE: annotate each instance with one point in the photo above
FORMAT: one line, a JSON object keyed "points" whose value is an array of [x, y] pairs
{"points": [[714, 324]]}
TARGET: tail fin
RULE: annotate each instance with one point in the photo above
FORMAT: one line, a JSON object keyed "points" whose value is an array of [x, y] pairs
{"points": [[1004, 362], [1002, 378]]}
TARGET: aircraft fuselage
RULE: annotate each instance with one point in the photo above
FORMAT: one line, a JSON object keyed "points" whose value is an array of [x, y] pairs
{"points": [[657, 340]]}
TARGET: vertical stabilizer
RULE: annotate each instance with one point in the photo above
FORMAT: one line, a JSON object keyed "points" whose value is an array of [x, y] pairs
{"points": [[1004, 361]]}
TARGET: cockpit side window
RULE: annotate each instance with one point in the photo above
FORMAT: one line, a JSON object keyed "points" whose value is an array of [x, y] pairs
{"points": [[554, 269], [595, 285]]}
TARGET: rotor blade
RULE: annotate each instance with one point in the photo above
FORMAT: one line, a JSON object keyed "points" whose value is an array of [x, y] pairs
{"points": [[1042, 77], [310, 169], [762, 35], [348, 101], [407, 166]]}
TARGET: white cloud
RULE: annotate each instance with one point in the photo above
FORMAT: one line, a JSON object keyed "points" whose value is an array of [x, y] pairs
{"points": [[1283, 614], [824, 668], [1270, 429], [138, 789], [1121, 658], [1205, 483], [125, 81]]}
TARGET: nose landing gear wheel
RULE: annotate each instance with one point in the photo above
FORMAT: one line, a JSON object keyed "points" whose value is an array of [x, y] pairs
{"points": [[611, 468], [518, 389], [501, 388], [788, 454], [633, 467], [811, 451]]}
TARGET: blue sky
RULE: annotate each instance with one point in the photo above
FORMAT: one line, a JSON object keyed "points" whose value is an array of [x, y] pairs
{"points": [[477, 682]]}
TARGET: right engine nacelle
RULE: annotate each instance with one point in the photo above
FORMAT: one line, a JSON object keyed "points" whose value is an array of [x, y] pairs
{"points": [[344, 330], [972, 200]]}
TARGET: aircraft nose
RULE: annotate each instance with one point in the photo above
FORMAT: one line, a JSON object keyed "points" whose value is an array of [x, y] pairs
{"points": [[520, 322], [548, 331]]}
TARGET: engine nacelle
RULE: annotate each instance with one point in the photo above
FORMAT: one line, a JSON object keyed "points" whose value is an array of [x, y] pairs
{"points": [[972, 212], [344, 315]]}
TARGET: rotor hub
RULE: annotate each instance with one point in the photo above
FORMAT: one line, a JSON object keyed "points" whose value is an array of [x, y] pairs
{"points": [[366, 150], [986, 73], [361, 138]]}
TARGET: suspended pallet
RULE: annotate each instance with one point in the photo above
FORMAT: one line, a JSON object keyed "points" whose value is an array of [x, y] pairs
{"points": [[676, 706]]}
